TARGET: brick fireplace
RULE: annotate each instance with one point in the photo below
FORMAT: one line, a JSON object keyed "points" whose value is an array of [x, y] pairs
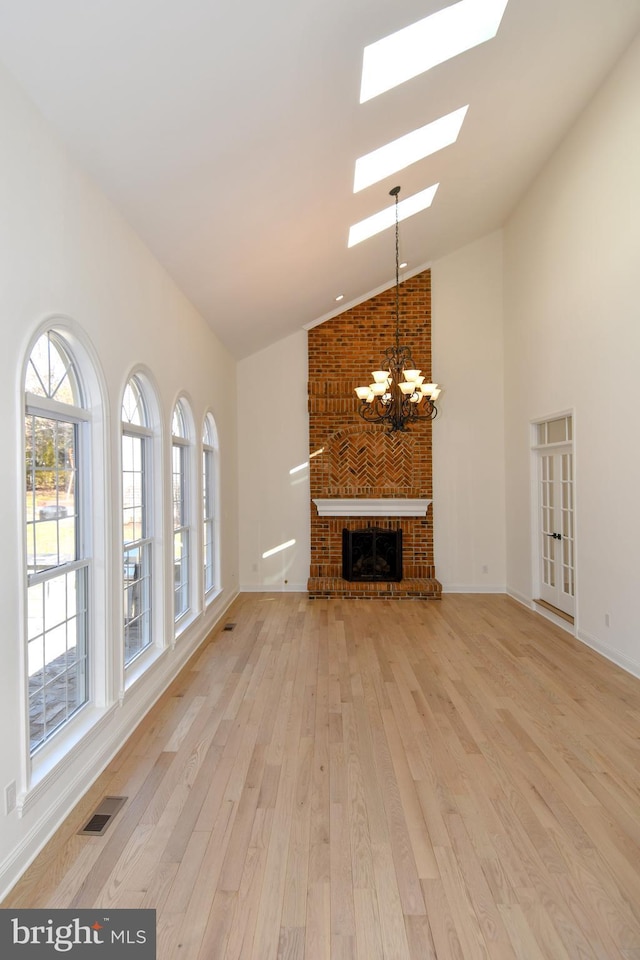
{"points": [[350, 459]]}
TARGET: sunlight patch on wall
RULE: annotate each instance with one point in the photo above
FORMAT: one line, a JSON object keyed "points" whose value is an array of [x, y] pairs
{"points": [[278, 549]]}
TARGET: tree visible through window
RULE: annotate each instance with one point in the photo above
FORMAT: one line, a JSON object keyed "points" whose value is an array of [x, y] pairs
{"points": [[57, 562]]}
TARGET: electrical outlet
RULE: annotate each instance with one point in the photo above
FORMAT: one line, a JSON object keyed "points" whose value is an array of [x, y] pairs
{"points": [[606, 619], [485, 568], [10, 798]]}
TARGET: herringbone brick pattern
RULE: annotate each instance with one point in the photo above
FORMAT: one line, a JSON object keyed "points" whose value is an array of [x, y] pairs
{"points": [[370, 461]]}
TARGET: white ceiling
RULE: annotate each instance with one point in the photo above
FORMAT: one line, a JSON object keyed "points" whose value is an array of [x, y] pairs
{"points": [[227, 133]]}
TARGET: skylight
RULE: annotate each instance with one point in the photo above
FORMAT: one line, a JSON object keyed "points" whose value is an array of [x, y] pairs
{"points": [[386, 218], [422, 45], [414, 146]]}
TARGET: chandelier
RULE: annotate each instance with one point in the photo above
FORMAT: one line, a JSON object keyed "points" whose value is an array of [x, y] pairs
{"points": [[398, 395]]}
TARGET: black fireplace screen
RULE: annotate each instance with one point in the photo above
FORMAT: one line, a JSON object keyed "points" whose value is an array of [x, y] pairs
{"points": [[372, 554]]}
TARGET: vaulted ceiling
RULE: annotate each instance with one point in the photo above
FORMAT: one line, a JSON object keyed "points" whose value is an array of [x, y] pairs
{"points": [[227, 133]]}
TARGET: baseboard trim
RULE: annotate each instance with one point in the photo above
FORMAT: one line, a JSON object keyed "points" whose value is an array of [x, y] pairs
{"points": [[269, 588], [625, 663], [520, 597], [473, 588], [545, 612]]}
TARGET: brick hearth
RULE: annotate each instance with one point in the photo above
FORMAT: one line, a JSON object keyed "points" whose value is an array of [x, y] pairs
{"points": [[350, 458]]}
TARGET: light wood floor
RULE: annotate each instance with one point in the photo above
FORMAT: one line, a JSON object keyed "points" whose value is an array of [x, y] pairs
{"points": [[374, 779]]}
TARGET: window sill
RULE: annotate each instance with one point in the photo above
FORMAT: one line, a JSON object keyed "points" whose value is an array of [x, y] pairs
{"points": [[50, 762], [182, 623], [141, 664], [212, 595]]}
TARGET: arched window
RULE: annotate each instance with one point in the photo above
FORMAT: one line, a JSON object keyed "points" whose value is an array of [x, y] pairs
{"points": [[209, 504], [57, 537], [137, 540], [181, 504]]}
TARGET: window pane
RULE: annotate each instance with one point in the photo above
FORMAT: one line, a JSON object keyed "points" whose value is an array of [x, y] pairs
{"points": [[206, 485], [208, 433], [178, 424], [35, 611], [137, 600], [208, 556], [51, 372], [128, 443], [57, 656], [178, 485], [181, 511], [181, 572], [557, 430], [133, 405], [51, 458], [137, 555], [208, 518], [133, 489]]}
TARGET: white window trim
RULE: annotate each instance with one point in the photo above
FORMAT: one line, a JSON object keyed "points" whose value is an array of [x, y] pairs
{"points": [[154, 434], [47, 764]]}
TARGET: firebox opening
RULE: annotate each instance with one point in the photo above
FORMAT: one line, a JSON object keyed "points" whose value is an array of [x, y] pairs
{"points": [[372, 554]]}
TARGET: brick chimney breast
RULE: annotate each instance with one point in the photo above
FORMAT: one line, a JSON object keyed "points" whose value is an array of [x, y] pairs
{"points": [[364, 460]]}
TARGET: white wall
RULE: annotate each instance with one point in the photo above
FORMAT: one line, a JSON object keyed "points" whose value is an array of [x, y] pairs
{"points": [[468, 433], [64, 251], [572, 341], [273, 426]]}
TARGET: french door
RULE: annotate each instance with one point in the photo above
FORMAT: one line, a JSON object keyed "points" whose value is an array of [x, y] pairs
{"points": [[556, 518]]}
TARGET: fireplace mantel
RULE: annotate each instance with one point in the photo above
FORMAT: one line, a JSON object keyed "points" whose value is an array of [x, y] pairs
{"points": [[378, 507]]}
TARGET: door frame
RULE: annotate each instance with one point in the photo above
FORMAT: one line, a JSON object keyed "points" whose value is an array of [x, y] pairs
{"points": [[536, 564]]}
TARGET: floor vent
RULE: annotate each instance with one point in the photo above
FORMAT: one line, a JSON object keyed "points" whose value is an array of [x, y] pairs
{"points": [[100, 819], [229, 626]]}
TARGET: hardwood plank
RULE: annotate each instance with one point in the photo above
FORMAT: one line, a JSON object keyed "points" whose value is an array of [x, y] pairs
{"points": [[423, 855], [318, 923], [367, 923], [392, 928]]}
